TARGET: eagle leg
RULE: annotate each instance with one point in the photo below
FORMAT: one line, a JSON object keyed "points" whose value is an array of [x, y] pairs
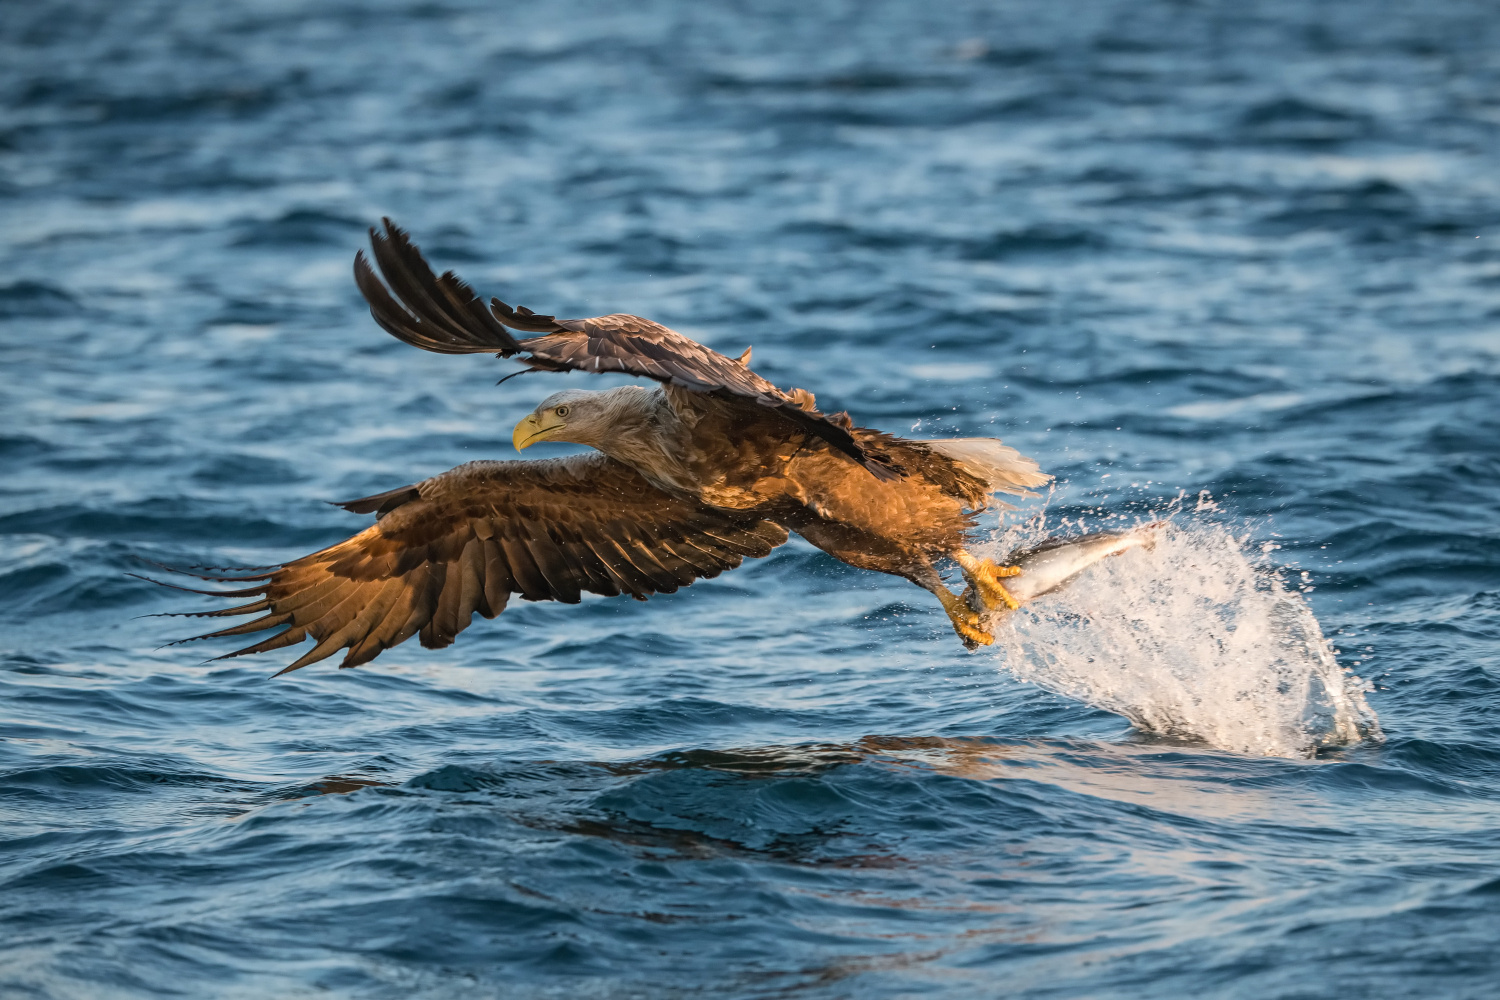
{"points": [[984, 576], [968, 624]]}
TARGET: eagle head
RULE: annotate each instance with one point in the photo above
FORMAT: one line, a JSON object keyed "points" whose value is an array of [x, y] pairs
{"points": [[578, 416]]}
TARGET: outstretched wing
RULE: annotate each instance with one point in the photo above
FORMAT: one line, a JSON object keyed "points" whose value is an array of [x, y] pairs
{"points": [[443, 314], [466, 540]]}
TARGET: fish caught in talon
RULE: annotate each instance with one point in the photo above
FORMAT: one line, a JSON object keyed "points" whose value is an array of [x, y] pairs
{"points": [[1043, 568]]}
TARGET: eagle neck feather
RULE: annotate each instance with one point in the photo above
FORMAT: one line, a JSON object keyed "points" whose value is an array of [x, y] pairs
{"points": [[646, 433]]}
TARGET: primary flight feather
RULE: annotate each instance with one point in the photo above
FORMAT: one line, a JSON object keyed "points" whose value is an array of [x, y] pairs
{"points": [[710, 466]]}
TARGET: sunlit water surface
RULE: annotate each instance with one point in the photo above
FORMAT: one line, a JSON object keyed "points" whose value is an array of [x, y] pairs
{"points": [[1232, 265]]}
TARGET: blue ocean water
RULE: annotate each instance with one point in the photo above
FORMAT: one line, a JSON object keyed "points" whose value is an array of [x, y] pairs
{"points": [[1235, 264]]}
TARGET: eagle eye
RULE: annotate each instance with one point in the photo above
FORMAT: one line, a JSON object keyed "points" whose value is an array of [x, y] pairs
{"points": [[562, 411]]}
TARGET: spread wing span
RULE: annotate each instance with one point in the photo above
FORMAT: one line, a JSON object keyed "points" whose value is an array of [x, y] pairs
{"points": [[466, 540], [443, 314]]}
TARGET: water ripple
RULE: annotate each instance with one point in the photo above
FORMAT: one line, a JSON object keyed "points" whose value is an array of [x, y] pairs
{"points": [[1232, 265]]}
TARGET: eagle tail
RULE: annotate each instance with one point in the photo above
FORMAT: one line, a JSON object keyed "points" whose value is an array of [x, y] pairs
{"points": [[1001, 466]]}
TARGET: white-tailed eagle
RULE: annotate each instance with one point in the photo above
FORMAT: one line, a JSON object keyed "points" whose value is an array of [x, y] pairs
{"points": [[709, 466]]}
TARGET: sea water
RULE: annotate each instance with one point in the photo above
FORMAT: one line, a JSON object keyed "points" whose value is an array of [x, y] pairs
{"points": [[1193, 636], [1238, 253]]}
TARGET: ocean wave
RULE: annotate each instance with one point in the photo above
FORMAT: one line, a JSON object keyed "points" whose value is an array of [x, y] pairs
{"points": [[1237, 259], [36, 300]]}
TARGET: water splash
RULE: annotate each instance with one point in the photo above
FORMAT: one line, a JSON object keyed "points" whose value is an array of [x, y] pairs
{"points": [[1192, 638]]}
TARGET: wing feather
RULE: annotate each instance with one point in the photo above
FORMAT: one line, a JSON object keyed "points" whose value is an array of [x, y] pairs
{"points": [[633, 579], [437, 314], [280, 640], [463, 542], [561, 579], [443, 315], [530, 583], [498, 583], [368, 625], [245, 628], [431, 634], [372, 599], [448, 618], [418, 606]]}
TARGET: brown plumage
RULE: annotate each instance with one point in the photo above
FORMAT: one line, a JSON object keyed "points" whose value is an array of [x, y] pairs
{"points": [[712, 466]]}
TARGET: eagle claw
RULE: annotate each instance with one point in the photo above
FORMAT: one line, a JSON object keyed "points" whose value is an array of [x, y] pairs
{"points": [[985, 579], [968, 624]]}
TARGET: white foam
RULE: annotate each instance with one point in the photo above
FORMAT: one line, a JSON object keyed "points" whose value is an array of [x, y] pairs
{"points": [[1194, 639]]}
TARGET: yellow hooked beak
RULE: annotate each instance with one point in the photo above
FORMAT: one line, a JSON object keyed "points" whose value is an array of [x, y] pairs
{"points": [[531, 430]]}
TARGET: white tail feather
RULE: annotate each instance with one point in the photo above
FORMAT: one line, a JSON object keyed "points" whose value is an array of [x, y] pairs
{"points": [[1004, 468]]}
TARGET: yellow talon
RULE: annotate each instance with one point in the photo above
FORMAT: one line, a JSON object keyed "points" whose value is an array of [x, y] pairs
{"points": [[985, 579], [965, 622]]}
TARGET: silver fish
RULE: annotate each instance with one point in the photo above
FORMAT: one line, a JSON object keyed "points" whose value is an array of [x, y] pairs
{"points": [[1054, 562]]}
